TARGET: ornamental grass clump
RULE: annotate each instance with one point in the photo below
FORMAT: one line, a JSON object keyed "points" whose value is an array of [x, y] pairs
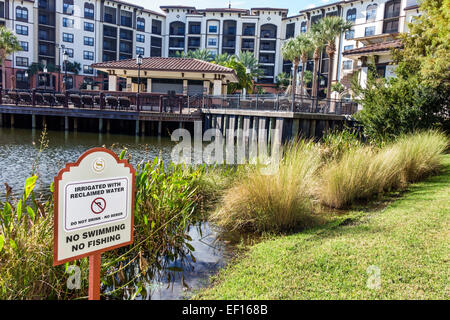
{"points": [[367, 171], [275, 201]]}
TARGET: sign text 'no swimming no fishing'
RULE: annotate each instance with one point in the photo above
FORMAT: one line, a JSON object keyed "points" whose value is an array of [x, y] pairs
{"points": [[94, 210]]}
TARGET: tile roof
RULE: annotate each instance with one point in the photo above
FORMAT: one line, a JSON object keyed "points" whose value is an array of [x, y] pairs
{"points": [[165, 64], [383, 46]]}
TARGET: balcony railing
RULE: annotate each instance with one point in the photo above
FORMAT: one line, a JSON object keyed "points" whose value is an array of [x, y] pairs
{"points": [[173, 103]]}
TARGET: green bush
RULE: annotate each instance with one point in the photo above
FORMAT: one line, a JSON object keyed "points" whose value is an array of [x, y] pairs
{"points": [[364, 172]]}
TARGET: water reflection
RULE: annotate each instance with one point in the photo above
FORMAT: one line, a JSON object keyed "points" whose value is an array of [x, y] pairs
{"points": [[180, 279], [19, 149]]}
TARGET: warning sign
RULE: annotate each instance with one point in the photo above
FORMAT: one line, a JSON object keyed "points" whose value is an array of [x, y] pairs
{"points": [[89, 203], [94, 205]]}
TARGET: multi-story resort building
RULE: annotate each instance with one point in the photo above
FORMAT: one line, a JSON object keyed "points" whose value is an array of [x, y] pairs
{"points": [[93, 31]]}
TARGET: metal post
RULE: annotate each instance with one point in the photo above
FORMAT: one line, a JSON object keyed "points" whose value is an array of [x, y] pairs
{"points": [[94, 276], [33, 97], [102, 100], [160, 104]]}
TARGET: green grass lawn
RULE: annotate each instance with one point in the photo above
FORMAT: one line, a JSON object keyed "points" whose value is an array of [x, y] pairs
{"points": [[408, 241]]}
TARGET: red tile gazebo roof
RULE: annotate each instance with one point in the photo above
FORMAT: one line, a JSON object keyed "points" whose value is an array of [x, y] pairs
{"points": [[165, 64]]}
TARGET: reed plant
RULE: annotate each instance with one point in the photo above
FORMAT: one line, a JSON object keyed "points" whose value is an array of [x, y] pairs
{"points": [[279, 201], [365, 172]]}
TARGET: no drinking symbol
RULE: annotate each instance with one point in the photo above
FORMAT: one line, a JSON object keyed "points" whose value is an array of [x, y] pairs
{"points": [[98, 205]]}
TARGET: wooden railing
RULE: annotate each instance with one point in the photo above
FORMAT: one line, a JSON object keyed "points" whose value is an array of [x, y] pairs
{"points": [[176, 103]]}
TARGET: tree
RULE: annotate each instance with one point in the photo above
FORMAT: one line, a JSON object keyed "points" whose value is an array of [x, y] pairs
{"points": [[397, 106], [222, 58], [283, 81], [8, 45], [326, 30], [296, 50], [250, 62], [426, 47], [200, 54], [419, 97], [245, 81]]}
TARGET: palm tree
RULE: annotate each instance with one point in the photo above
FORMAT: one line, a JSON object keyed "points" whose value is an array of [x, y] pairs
{"points": [[298, 50], [8, 45], [200, 54], [251, 64], [222, 58], [326, 31]]}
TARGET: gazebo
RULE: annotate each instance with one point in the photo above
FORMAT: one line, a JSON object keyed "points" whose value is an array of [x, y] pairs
{"points": [[163, 75]]}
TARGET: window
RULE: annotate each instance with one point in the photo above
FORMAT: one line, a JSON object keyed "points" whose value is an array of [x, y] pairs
{"points": [[140, 38], [22, 13], [68, 23], [126, 18], [290, 30], [88, 69], [392, 9], [212, 42], [248, 29], [88, 41], [88, 55], [155, 52], [369, 31], [346, 48], [140, 51], [69, 82], [140, 25], [194, 27], [390, 26], [23, 30], [89, 11], [348, 65], [156, 27], [89, 27], [371, 13], [69, 52], [68, 37], [156, 42], [212, 29], [24, 45], [110, 15], [303, 27], [350, 34], [2, 10], [126, 34], [351, 15], [21, 62], [68, 7]]}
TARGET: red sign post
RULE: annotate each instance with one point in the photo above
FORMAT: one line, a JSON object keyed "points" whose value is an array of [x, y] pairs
{"points": [[94, 210]]}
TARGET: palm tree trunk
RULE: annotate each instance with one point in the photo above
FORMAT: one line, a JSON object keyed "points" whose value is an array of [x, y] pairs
{"points": [[302, 81], [330, 53], [316, 69], [294, 83], [3, 60]]}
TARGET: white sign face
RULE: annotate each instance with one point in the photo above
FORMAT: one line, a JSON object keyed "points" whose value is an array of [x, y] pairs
{"points": [[94, 206]]}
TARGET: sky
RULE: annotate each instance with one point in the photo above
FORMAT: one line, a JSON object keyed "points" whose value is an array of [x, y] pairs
{"points": [[294, 6]]}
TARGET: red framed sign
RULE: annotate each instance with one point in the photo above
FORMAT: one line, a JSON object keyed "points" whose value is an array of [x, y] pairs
{"points": [[94, 206]]}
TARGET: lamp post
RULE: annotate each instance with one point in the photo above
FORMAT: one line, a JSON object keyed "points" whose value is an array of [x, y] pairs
{"points": [[26, 78], [247, 72], [65, 59], [139, 63], [59, 58], [46, 77]]}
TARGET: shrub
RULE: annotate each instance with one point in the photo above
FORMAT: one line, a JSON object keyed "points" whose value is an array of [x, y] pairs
{"points": [[365, 172], [275, 202]]}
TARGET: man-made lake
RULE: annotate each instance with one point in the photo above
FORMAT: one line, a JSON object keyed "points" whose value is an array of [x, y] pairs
{"points": [[19, 149]]}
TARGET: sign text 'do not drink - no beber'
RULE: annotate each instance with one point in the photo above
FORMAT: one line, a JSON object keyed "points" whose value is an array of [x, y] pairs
{"points": [[94, 202]]}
